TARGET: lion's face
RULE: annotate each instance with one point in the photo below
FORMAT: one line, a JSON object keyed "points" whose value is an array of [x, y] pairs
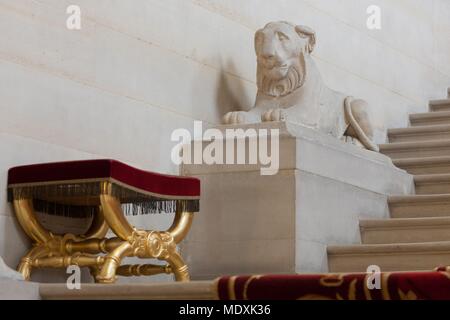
{"points": [[280, 49]]}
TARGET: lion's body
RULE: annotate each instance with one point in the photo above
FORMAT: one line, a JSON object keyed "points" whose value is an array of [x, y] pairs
{"points": [[290, 88], [325, 114]]}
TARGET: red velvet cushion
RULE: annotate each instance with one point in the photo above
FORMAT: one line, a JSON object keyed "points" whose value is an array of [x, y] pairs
{"points": [[105, 169]]}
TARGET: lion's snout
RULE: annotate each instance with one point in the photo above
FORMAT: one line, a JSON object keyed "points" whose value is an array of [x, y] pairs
{"points": [[271, 61]]}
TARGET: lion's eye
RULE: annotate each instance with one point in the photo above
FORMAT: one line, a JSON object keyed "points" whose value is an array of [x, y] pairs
{"points": [[282, 36]]}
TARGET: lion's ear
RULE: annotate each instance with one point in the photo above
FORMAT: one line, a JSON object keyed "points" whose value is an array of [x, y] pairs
{"points": [[307, 32], [258, 40]]}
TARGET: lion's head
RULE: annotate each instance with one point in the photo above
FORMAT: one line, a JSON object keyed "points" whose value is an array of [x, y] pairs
{"points": [[281, 48]]}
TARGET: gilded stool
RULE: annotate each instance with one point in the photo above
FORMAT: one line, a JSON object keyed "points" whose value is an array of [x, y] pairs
{"points": [[108, 191]]}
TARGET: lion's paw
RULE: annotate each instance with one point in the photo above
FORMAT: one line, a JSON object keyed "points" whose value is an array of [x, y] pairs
{"points": [[235, 117], [274, 115]]}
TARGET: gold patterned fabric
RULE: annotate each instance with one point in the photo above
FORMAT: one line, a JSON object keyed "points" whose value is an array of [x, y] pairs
{"points": [[391, 286]]}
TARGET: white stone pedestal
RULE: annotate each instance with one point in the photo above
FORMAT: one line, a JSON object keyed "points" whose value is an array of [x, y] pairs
{"points": [[253, 224]]}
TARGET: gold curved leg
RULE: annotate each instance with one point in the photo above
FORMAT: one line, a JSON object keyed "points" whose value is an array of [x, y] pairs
{"points": [[26, 263], [114, 217], [178, 266], [113, 214], [107, 273], [27, 219], [178, 231], [181, 224]]}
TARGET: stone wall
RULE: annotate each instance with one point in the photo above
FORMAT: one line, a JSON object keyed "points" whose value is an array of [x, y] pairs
{"points": [[139, 69]]}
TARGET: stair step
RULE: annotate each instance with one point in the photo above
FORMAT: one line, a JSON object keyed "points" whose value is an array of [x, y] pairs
{"points": [[405, 230], [389, 257], [401, 150], [430, 118], [427, 165], [193, 290], [420, 206], [432, 184], [420, 133], [440, 105]]}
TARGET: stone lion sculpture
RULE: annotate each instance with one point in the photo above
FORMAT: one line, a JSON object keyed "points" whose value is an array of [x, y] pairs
{"points": [[290, 88]]}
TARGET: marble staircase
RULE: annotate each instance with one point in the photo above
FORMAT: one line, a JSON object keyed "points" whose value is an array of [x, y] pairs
{"points": [[417, 237]]}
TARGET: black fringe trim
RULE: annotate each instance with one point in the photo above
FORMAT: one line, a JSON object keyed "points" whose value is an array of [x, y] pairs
{"points": [[62, 210], [133, 202]]}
